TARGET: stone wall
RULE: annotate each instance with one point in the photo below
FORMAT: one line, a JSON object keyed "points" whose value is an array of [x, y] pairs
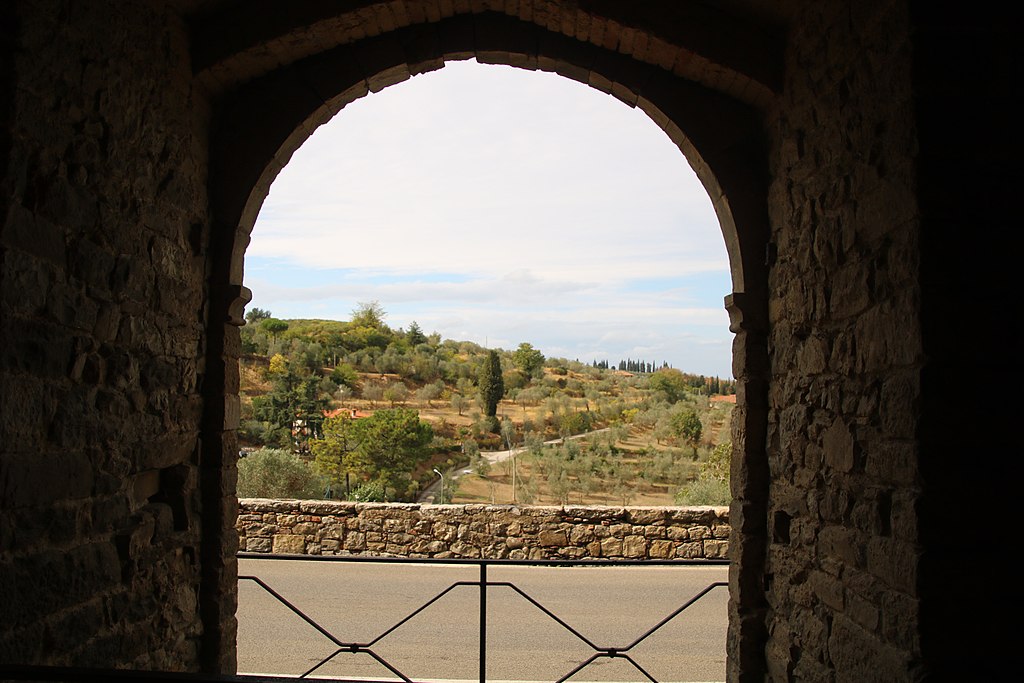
{"points": [[103, 305], [139, 138], [841, 571], [482, 531]]}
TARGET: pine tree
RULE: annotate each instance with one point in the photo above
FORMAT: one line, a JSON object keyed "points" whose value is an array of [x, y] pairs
{"points": [[415, 334]]}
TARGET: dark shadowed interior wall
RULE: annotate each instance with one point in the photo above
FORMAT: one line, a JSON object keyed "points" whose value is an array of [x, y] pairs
{"points": [[859, 157]]}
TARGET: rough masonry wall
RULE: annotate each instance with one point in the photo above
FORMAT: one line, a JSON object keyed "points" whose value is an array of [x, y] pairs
{"points": [[845, 352], [314, 527], [105, 246], [103, 318]]}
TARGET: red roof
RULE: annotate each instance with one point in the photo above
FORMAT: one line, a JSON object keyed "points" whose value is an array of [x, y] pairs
{"points": [[351, 412]]}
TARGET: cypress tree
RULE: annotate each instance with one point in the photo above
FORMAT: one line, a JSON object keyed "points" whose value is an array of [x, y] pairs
{"points": [[492, 387]]}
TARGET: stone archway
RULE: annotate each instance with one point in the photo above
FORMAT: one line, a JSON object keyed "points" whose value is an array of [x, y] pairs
{"points": [[270, 94], [885, 298]]}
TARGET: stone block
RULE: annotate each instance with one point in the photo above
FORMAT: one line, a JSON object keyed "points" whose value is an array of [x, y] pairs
{"points": [[289, 544], [331, 531], [581, 534], [355, 541], [645, 516], [262, 530], [464, 549], [828, 589], [839, 447], [715, 550], [634, 546], [611, 547], [661, 549], [690, 550], [552, 539], [429, 548]]}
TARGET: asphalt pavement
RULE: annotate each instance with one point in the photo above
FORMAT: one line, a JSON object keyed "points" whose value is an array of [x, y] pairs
{"points": [[611, 607]]}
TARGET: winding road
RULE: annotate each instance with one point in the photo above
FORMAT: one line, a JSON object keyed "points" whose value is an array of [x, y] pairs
{"points": [[429, 494]]}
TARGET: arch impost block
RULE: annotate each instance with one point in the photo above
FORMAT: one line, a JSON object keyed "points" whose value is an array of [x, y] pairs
{"points": [[746, 313], [238, 297]]}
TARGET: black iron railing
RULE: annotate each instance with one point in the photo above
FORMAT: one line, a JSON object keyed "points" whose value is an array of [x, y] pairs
{"points": [[482, 584]]}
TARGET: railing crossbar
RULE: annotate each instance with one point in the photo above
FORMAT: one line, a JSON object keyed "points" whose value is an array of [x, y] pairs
{"points": [[613, 655], [483, 584], [359, 647], [422, 607], [393, 559], [383, 662], [549, 613], [674, 614], [302, 615]]}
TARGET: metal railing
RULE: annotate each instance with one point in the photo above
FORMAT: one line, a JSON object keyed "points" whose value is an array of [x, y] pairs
{"points": [[482, 584]]}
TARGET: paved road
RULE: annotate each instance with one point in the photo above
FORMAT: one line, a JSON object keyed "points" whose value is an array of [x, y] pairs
{"points": [[357, 602], [429, 494]]}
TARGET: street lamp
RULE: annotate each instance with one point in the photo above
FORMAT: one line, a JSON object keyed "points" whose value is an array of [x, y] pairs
{"points": [[441, 476]]}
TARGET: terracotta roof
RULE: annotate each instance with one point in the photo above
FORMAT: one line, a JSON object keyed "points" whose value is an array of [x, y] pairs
{"points": [[352, 412]]}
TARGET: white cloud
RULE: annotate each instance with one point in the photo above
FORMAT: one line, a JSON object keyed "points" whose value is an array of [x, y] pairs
{"points": [[483, 197]]}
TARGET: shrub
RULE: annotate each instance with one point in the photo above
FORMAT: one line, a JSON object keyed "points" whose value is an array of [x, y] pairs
{"points": [[711, 487], [370, 492], [489, 424], [704, 491], [275, 473], [345, 374]]}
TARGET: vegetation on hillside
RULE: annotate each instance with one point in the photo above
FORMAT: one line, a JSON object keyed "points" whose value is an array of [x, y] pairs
{"points": [[373, 411]]}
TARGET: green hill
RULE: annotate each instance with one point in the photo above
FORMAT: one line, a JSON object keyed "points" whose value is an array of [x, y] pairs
{"points": [[297, 373]]}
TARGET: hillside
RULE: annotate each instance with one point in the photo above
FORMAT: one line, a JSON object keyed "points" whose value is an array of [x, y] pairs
{"points": [[296, 372]]}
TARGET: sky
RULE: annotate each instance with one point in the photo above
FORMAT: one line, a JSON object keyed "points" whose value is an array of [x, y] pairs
{"points": [[500, 206]]}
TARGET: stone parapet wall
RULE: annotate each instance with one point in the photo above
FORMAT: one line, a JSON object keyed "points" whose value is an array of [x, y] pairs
{"points": [[482, 531]]}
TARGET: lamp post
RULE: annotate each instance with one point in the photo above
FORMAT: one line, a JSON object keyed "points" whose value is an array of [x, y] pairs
{"points": [[441, 476]]}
